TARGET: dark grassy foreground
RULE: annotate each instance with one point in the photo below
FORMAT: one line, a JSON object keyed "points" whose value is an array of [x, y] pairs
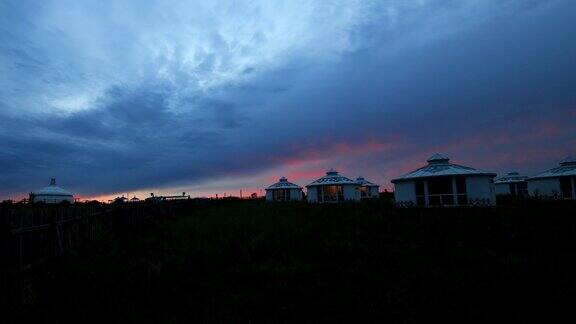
{"points": [[255, 262]]}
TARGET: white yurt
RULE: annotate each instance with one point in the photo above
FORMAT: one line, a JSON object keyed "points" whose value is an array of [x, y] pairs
{"points": [[367, 188], [333, 188], [51, 195], [441, 183], [283, 190], [559, 182], [513, 183]]}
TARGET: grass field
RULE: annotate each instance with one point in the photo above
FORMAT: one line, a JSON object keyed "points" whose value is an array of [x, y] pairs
{"points": [[248, 261]]}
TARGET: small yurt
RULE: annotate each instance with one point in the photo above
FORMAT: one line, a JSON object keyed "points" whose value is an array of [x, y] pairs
{"points": [[512, 183], [120, 200], [367, 188], [283, 190], [559, 182], [333, 188], [51, 195], [441, 183]]}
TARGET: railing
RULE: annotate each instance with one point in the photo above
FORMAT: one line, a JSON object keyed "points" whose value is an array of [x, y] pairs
{"points": [[332, 198], [480, 202], [405, 204], [443, 199]]}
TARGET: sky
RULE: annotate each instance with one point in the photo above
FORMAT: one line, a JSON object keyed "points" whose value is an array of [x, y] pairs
{"points": [[206, 97]]}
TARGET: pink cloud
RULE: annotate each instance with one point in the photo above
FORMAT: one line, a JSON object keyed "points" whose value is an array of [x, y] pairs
{"points": [[338, 149]]}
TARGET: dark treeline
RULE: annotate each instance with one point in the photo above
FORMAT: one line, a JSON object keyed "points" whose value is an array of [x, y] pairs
{"points": [[249, 261]]}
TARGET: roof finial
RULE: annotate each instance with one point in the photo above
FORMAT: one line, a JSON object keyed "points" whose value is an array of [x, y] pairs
{"points": [[438, 158], [53, 181]]}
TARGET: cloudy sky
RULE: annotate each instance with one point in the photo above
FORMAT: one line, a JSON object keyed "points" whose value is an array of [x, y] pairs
{"points": [[216, 96]]}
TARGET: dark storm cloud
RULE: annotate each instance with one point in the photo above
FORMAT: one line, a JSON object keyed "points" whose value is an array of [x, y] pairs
{"points": [[134, 103]]}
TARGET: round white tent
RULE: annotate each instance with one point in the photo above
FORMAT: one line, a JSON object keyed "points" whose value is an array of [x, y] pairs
{"points": [[441, 183], [283, 190], [367, 188], [51, 194], [333, 188], [512, 183], [559, 182]]}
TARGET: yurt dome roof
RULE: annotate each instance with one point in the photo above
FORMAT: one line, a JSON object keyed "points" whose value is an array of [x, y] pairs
{"points": [[332, 178], [365, 183], [283, 183], [439, 165], [567, 168], [52, 190], [511, 177]]}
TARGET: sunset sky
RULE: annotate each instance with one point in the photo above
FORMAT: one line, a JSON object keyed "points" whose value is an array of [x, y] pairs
{"points": [[114, 97]]}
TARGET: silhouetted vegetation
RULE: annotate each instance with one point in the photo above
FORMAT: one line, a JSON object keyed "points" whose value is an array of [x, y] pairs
{"points": [[249, 261]]}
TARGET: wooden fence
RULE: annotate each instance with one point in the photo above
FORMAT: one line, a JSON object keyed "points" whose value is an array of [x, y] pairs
{"points": [[30, 235]]}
